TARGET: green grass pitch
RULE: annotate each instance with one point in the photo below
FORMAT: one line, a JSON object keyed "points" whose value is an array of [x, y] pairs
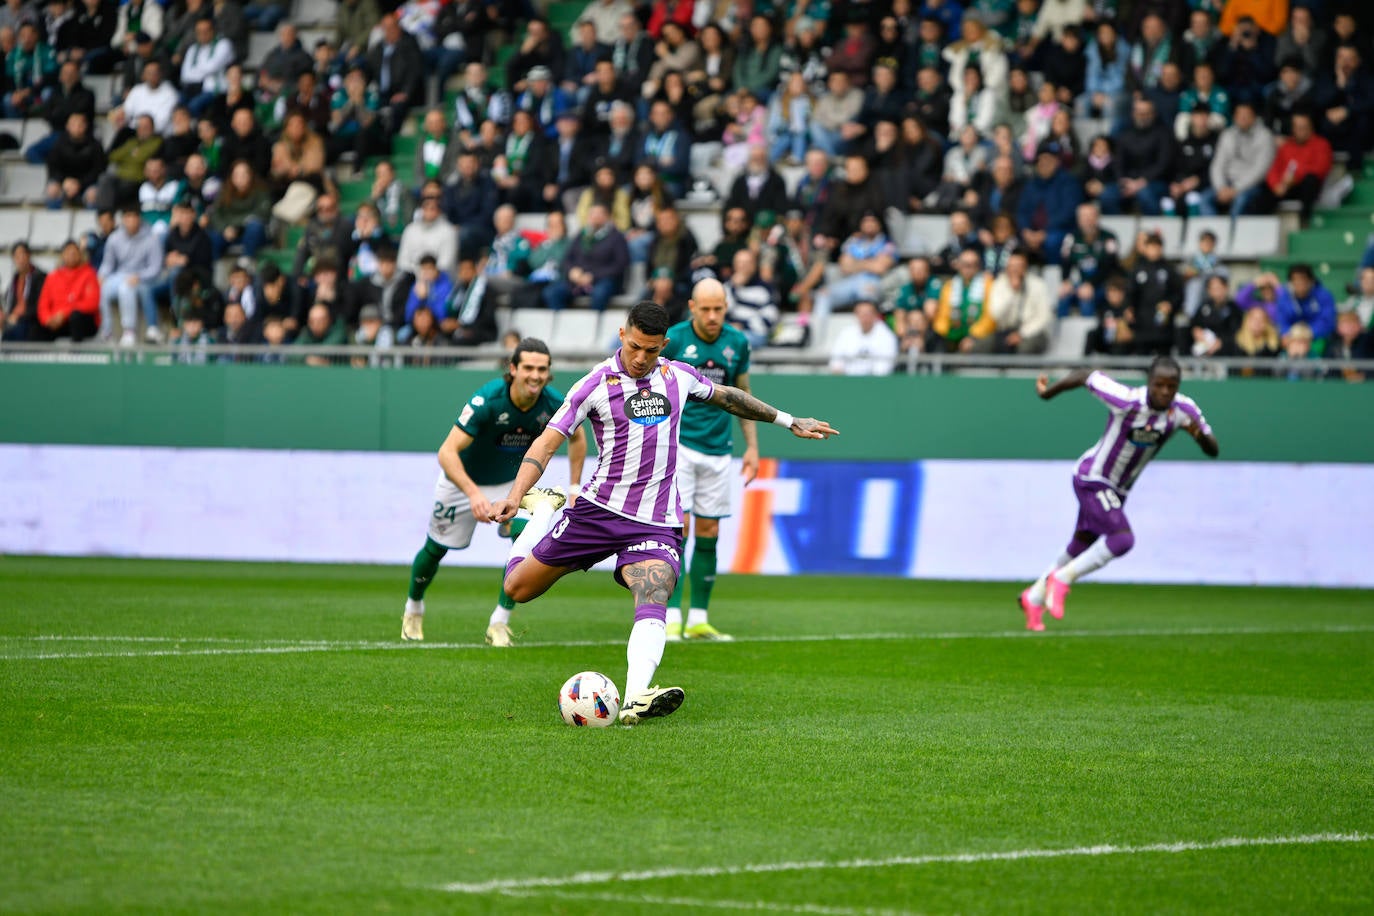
{"points": [[199, 737]]}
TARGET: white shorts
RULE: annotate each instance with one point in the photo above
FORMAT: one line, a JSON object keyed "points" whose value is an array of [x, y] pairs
{"points": [[451, 521], [703, 482]]}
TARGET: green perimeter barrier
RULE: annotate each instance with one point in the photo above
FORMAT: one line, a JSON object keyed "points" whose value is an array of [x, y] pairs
{"points": [[410, 410]]}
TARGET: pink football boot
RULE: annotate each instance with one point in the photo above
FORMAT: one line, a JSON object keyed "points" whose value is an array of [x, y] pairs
{"points": [[1033, 611], [1055, 593]]}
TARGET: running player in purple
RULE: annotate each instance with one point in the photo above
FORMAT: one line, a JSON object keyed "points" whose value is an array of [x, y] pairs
{"points": [[1140, 421], [630, 507]]}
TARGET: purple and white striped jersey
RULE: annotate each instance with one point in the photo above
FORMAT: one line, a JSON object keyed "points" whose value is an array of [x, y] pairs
{"points": [[635, 423], [1135, 432]]}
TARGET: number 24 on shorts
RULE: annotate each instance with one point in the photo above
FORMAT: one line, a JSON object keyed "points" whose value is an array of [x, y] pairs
{"points": [[448, 512]]}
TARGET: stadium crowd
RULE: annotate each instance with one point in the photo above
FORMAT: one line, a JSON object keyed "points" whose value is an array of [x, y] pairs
{"points": [[874, 110]]}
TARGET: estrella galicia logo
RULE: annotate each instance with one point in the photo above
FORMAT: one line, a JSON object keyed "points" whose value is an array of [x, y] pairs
{"points": [[647, 408], [1145, 436]]}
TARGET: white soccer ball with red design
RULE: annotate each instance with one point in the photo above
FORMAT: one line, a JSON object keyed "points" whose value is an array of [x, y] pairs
{"points": [[589, 699]]}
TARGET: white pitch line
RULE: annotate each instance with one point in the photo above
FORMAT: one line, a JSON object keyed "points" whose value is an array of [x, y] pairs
{"points": [[504, 885], [289, 647], [812, 909]]}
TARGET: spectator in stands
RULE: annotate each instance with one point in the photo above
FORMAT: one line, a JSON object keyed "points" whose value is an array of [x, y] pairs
{"points": [[594, 265], [963, 236], [1201, 41], [430, 233], [605, 189], [508, 263], [884, 99], [568, 165], [1244, 153], [423, 331], [1298, 347], [620, 147], [390, 198], [245, 141], [543, 99], [240, 213], [604, 91], [605, 15], [321, 329], [962, 316], [471, 201], [353, 24], [186, 246], [924, 162], [914, 305], [976, 105], [327, 235], [387, 290], [545, 262], [64, 99], [203, 67], [1361, 300], [1351, 341], [1048, 204], [962, 164], [645, 198], [1302, 41], [1246, 62], [1346, 100], [372, 332], [474, 306], [30, 71], [130, 267], [95, 22], [1155, 298], [193, 291], [236, 330], [1308, 302], [157, 194], [759, 186], [999, 242], [119, 186], [789, 120], [1146, 153], [1216, 320], [746, 128], [1293, 91], [288, 59], [1105, 80], [355, 124], [995, 190], [865, 257], [1192, 170], [1021, 310], [436, 153], [152, 97], [1299, 169], [519, 170], [190, 339], [854, 52], [866, 347], [662, 288], [478, 102], [298, 164], [431, 292], [759, 63], [75, 164], [396, 64], [20, 311], [1256, 338], [672, 247], [69, 303], [751, 304], [812, 194], [180, 140], [541, 48], [310, 100], [835, 111], [579, 69], [667, 148], [849, 199]]}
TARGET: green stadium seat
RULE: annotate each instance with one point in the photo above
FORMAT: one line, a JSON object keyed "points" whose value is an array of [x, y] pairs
{"points": [[1329, 244]]}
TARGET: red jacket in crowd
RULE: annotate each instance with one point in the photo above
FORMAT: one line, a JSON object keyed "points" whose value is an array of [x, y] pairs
{"points": [[67, 290], [1303, 159]]}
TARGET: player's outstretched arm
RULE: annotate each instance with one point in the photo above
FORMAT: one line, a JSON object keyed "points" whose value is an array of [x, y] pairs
{"points": [[577, 458], [1206, 441], [452, 464], [743, 404], [1070, 381], [531, 469]]}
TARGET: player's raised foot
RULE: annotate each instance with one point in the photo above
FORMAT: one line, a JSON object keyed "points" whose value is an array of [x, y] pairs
{"points": [[673, 631], [704, 631], [654, 703], [1034, 612], [553, 496], [413, 627], [499, 635], [1055, 593]]}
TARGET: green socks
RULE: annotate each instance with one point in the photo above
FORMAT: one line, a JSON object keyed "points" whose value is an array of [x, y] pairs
{"points": [[424, 567], [702, 571]]}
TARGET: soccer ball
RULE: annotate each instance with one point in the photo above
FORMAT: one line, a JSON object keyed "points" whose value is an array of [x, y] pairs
{"points": [[590, 699]]}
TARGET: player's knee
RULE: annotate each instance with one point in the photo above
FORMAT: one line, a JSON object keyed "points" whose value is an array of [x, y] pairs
{"points": [[1121, 542], [707, 527]]}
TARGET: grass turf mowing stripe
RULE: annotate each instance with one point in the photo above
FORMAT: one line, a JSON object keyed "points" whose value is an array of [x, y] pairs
{"points": [[814, 909], [959, 858], [288, 647]]}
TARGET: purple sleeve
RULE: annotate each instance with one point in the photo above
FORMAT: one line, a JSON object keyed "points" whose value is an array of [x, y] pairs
{"points": [[1189, 409], [574, 410], [1109, 391]]}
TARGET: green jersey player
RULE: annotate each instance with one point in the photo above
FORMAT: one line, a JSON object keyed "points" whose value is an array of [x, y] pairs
{"points": [[478, 462], [721, 353]]}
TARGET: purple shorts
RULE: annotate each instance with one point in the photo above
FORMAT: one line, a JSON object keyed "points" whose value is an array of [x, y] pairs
{"points": [[1101, 510], [588, 534]]}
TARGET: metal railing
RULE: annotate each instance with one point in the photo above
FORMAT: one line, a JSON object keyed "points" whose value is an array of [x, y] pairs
{"points": [[774, 360]]}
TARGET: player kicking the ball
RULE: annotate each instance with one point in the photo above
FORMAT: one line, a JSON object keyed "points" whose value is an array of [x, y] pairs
{"points": [[1141, 420], [478, 461], [721, 353], [630, 507]]}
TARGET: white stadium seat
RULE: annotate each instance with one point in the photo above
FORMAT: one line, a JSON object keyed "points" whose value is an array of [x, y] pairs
{"points": [[23, 184], [924, 233], [1220, 226], [260, 44], [1124, 228], [1256, 237], [531, 222], [1070, 336], [536, 323], [83, 221], [705, 226], [576, 329], [1171, 228], [50, 229], [14, 227]]}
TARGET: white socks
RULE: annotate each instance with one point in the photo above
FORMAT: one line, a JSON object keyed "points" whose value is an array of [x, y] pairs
{"points": [[500, 615], [674, 616], [1037, 591], [696, 616], [540, 520], [643, 653], [1090, 560], [415, 607]]}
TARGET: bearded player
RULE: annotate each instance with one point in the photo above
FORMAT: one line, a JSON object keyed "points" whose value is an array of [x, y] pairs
{"points": [[721, 353], [478, 462], [1140, 420]]}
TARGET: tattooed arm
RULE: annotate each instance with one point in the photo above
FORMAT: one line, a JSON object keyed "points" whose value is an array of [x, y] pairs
{"points": [[745, 405]]}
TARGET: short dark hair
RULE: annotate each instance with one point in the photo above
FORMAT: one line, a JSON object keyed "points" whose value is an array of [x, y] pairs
{"points": [[1165, 364], [526, 345], [269, 274], [649, 317], [1304, 269]]}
